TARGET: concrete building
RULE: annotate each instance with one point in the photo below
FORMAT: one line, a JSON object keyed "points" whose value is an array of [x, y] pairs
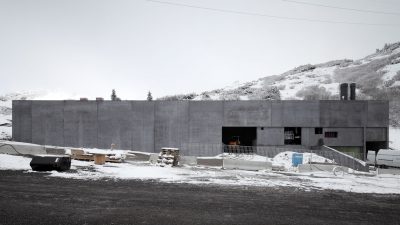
{"points": [[354, 126]]}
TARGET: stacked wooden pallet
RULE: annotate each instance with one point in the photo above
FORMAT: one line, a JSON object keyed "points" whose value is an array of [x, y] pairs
{"points": [[168, 157]]}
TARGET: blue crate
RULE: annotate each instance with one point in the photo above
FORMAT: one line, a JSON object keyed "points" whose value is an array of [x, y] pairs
{"points": [[297, 158]]}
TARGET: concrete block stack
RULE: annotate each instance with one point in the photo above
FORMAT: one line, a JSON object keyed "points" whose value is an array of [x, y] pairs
{"points": [[168, 157]]}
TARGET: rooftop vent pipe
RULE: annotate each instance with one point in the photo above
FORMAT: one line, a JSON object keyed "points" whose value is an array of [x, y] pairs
{"points": [[353, 91], [344, 90]]}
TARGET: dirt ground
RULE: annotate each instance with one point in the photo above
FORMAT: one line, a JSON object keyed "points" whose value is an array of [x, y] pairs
{"points": [[35, 198]]}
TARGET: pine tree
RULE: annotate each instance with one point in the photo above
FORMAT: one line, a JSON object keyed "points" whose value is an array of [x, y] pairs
{"points": [[113, 95], [149, 97]]}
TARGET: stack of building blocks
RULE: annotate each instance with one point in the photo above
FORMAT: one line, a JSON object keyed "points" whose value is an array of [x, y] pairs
{"points": [[168, 157]]}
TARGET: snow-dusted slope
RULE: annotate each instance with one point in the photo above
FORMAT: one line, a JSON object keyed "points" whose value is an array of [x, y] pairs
{"points": [[380, 71]]}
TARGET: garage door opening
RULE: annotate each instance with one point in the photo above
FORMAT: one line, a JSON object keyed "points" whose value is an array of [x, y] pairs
{"points": [[243, 136]]}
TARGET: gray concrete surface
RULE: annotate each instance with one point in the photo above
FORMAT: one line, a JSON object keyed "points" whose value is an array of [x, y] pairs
{"points": [[246, 165], [15, 148], [55, 150], [209, 162], [47, 123], [80, 123], [188, 160], [393, 171], [138, 157], [315, 167], [153, 158], [22, 121], [148, 126]]}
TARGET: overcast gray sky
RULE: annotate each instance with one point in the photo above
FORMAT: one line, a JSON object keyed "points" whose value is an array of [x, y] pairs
{"points": [[89, 47]]}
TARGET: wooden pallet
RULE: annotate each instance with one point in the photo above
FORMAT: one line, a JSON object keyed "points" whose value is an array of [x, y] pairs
{"points": [[168, 156], [79, 154]]}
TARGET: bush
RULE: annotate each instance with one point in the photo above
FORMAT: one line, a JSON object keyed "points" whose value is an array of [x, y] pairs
{"points": [[368, 76], [300, 69], [180, 97], [314, 92], [266, 93]]}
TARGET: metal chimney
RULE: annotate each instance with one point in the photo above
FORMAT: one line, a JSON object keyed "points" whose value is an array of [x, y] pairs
{"points": [[344, 90], [353, 91]]}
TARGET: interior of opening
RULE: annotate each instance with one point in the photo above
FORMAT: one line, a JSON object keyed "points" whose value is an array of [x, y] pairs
{"points": [[292, 135], [375, 145], [244, 136]]}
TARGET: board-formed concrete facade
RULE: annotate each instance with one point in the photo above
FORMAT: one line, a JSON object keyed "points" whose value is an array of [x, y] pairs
{"points": [[150, 125]]}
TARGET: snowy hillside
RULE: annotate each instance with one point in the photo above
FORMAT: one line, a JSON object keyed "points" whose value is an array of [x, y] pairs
{"points": [[377, 77]]}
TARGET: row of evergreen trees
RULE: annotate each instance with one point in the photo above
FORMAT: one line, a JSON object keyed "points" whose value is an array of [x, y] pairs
{"points": [[115, 98]]}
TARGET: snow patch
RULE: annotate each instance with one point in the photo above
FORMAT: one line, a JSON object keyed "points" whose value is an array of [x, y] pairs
{"points": [[12, 162], [390, 71], [285, 159]]}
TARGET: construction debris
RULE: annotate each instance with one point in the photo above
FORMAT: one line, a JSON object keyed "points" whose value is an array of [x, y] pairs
{"points": [[168, 157], [80, 154]]}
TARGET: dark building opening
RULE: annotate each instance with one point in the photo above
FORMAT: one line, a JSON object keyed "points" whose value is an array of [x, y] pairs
{"points": [[318, 130], [376, 145], [244, 136], [292, 135]]}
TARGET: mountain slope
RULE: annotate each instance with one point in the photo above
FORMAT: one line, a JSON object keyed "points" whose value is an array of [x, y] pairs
{"points": [[377, 77]]}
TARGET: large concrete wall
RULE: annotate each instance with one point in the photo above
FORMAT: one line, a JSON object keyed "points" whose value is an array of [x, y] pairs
{"points": [[80, 123], [115, 122], [171, 125], [246, 114], [270, 136], [22, 121], [295, 114], [346, 114], [143, 126], [148, 126], [48, 122], [376, 134], [205, 122]]}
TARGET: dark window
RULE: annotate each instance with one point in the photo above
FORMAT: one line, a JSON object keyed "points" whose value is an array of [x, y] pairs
{"points": [[331, 134], [318, 130], [292, 135]]}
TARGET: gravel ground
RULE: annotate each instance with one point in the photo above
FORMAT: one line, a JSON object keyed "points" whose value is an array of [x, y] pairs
{"points": [[34, 198]]}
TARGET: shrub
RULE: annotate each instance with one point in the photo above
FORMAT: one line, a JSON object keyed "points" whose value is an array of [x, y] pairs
{"points": [[314, 92]]}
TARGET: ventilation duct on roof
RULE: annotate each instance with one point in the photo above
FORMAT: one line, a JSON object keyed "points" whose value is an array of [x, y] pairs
{"points": [[344, 90]]}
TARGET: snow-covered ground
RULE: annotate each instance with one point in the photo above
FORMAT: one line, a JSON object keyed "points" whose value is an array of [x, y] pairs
{"points": [[324, 180]]}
